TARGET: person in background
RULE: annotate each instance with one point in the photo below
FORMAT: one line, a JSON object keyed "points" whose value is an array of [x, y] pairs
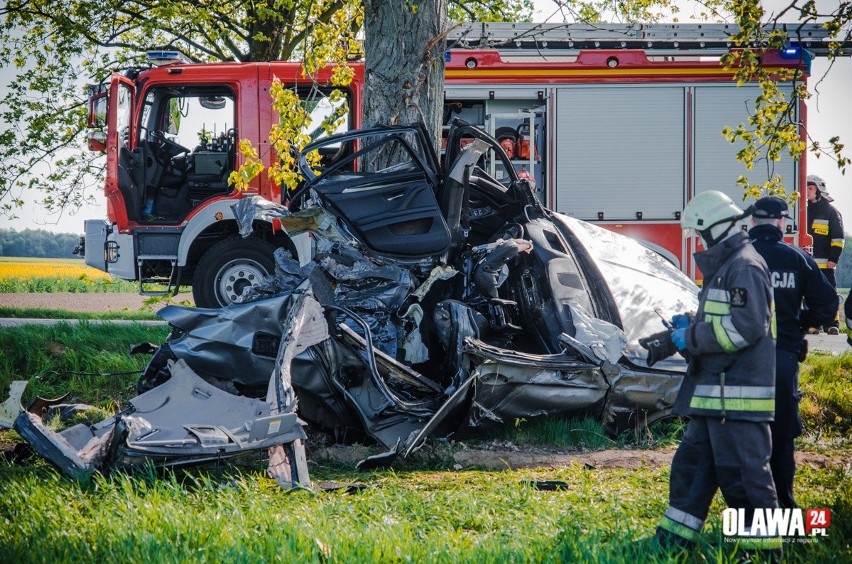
{"points": [[796, 280], [729, 388], [825, 225]]}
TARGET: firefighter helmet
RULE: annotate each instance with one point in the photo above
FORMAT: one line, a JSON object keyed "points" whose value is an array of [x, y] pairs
{"points": [[820, 185], [712, 214]]}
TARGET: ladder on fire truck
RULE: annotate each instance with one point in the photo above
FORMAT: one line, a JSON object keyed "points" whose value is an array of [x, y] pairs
{"points": [[672, 40]]}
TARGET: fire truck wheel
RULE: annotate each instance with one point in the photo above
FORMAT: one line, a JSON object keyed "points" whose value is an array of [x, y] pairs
{"points": [[228, 268]]}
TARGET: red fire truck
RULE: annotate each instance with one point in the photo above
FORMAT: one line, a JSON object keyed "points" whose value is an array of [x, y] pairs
{"points": [[618, 125]]}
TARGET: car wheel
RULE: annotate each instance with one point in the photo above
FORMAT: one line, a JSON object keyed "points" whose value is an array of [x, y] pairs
{"points": [[228, 268]]}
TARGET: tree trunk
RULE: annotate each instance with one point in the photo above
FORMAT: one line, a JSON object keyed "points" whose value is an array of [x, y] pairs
{"points": [[404, 70]]}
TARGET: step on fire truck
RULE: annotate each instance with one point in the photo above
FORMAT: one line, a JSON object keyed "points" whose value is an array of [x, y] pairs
{"points": [[619, 125]]}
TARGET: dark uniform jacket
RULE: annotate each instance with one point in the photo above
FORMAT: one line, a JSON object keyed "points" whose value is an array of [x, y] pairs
{"points": [[825, 225], [794, 275], [731, 348]]}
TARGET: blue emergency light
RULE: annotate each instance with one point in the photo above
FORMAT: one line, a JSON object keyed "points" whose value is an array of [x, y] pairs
{"points": [[791, 52], [166, 57], [798, 53]]}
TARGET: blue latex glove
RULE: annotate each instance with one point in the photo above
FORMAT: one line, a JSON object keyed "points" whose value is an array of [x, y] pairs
{"points": [[679, 338], [680, 321]]}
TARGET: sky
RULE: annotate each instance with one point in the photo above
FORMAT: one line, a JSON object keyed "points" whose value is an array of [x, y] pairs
{"points": [[829, 114]]}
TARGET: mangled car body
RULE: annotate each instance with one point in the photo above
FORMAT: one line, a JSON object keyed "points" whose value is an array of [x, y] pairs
{"points": [[439, 299]]}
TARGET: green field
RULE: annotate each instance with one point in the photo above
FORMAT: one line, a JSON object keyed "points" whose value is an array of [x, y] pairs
{"points": [[56, 275], [428, 510]]}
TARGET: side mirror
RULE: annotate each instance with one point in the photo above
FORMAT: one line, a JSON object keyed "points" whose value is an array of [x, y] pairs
{"points": [[96, 140], [98, 121]]}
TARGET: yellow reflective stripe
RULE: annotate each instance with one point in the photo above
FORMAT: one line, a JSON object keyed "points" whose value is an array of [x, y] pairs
{"points": [[722, 336], [749, 392], [733, 404], [717, 308], [837, 243], [678, 529]]}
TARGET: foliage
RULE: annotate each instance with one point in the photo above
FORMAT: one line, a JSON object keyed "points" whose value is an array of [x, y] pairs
{"points": [[773, 126], [37, 243], [55, 48], [827, 404]]}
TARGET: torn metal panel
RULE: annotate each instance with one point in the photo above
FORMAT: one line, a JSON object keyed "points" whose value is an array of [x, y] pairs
{"points": [[183, 421], [251, 208], [509, 385], [606, 340], [10, 408], [640, 396], [289, 274], [238, 343]]}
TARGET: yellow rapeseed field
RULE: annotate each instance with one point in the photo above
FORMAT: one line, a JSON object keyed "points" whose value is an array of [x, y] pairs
{"points": [[27, 268]]}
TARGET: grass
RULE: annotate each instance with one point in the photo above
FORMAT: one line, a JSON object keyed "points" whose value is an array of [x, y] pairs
{"points": [[57, 358], [42, 313], [439, 515], [434, 513]]}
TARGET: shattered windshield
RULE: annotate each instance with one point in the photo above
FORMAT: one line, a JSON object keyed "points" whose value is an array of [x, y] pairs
{"points": [[642, 286]]}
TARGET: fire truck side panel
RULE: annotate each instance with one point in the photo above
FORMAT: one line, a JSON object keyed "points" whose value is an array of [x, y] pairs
{"points": [[715, 161], [620, 152]]}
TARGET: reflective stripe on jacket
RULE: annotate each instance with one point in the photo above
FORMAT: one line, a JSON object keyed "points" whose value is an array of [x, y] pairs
{"points": [[825, 225], [731, 348]]}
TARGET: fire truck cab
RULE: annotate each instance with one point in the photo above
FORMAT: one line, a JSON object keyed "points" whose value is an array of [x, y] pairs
{"points": [[611, 133]]}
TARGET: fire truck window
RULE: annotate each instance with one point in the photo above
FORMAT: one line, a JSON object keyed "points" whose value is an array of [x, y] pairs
{"points": [[123, 113], [199, 118], [193, 121], [99, 112], [324, 111]]}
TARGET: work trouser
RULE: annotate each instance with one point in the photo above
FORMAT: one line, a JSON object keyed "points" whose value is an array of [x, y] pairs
{"points": [[829, 275], [732, 456], [786, 427]]}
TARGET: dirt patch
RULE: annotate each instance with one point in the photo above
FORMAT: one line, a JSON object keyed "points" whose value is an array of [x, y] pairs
{"points": [[512, 457]]}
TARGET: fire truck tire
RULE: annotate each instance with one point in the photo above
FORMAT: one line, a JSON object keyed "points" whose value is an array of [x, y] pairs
{"points": [[230, 266]]}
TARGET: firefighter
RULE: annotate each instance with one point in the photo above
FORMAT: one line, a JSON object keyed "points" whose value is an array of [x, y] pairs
{"points": [[729, 388], [795, 277], [825, 225]]}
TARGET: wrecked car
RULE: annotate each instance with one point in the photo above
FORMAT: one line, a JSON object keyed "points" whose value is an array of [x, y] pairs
{"points": [[438, 298]]}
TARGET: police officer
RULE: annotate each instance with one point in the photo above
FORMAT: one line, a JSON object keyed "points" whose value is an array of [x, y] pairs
{"points": [[795, 277], [825, 225], [729, 388]]}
